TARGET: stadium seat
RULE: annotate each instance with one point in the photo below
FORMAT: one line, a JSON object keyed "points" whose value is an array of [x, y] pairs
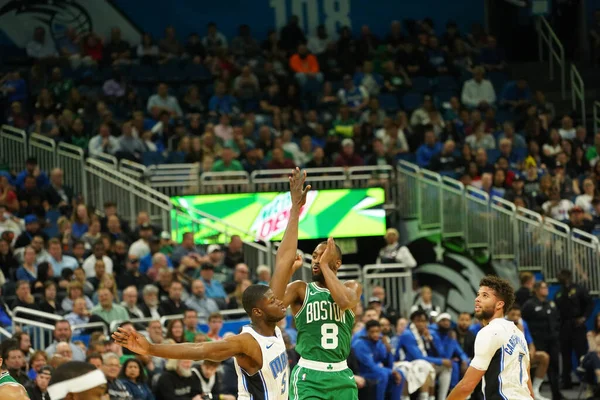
{"points": [[421, 84], [411, 101], [443, 96], [521, 152], [197, 73], [409, 157], [144, 74], [503, 115], [446, 82], [171, 73], [388, 102], [498, 79], [152, 158], [176, 157], [493, 155]]}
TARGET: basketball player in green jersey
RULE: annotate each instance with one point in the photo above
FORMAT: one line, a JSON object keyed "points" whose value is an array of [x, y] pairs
{"points": [[323, 310], [10, 389]]}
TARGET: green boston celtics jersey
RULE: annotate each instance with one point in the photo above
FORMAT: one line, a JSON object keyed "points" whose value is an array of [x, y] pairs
{"points": [[6, 379], [324, 330]]}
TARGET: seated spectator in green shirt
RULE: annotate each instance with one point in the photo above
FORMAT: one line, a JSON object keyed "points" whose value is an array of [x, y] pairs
{"points": [[227, 162], [190, 322], [107, 310]]}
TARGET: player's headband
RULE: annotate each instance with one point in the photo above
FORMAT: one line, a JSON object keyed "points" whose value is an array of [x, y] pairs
{"points": [[80, 384]]}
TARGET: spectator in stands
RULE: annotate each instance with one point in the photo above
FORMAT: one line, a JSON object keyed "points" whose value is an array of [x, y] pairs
{"points": [[278, 160], [57, 194], [57, 259], [130, 147], [524, 293], [305, 66], [24, 297], [169, 46], [446, 160], [40, 47], [355, 97], [204, 306], [480, 139], [133, 377], [292, 35], [234, 252], [584, 200], [103, 142], [173, 305], [75, 291], [592, 152], [38, 389], [178, 381], [107, 309], [214, 40], [14, 362], [425, 303], [478, 92], [375, 362], [141, 247], [190, 323], [111, 367], [13, 87], [150, 302], [62, 333], [556, 207], [263, 274], [213, 288], [508, 132], [227, 162], [222, 102], [429, 149], [80, 314], [132, 275], [368, 79], [28, 270], [348, 157], [491, 57], [130, 299], [32, 169], [215, 324], [117, 51], [579, 220], [162, 101], [465, 338], [516, 95], [99, 253], [175, 331], [419, 343]]}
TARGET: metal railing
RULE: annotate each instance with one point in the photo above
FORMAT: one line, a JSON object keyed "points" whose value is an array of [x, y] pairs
{"points": [[577, 92], [534, 242], [596, 116], [549, 43], [41, 333], [396, 279], [13, 145]]}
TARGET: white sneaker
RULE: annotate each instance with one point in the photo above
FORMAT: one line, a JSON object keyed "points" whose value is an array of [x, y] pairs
{"points": [[538, 396]]}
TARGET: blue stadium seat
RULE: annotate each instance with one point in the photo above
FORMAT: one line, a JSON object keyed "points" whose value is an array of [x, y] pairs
{"points": [[388, 102], [176, 157], [521, 152], [503, 115], [409, 157], [152, 158], [171, 73], [446, 82], [411, 101], [144, 74], [421, 84], [197, 73], [443, 96], [450, 174], [498, 79], [493, 155]]}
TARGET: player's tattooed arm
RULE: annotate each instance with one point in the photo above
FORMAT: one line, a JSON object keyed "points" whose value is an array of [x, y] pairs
{"points": [[345, 294], [287, 260]]}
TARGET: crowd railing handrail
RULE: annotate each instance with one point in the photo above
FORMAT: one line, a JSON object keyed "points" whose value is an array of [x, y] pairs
{"points": [[554, 48]]}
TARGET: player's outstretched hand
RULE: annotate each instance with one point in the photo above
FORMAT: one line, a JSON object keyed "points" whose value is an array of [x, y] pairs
{"points": [[297, 189], [132, 340]]}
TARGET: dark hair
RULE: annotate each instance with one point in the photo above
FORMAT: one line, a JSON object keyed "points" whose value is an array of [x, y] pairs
{"points": [[418, 313], [43, 271], [514, 307], [6, 347], [140, 379], [372, 323], [465, 312], [502, 289], [93, 355], [565, 274], [337, 248], [170, 331], [252, 295], [538, 285], [70, 370]]}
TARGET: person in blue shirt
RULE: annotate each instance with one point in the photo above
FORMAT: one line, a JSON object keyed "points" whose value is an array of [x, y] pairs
{"points": [[376, 362], [213, 288], [133, 377], [516, 94], [221, 102], [28, 270], [13, 87], [419, 343], [450, 347], [31, 168], [429, 149], [475, 328], [368, 315], [539, 359]]}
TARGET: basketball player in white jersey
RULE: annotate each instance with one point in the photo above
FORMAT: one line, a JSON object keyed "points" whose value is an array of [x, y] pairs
{"points": [[259, 351], [501, 352]]}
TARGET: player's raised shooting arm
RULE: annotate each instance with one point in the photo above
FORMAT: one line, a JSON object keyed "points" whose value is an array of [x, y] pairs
{"points": [[345, 294], [286, 253]]}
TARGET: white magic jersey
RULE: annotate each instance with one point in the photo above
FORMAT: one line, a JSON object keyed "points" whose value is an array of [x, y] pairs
{"points": [[501, 351], [271, 381]]}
